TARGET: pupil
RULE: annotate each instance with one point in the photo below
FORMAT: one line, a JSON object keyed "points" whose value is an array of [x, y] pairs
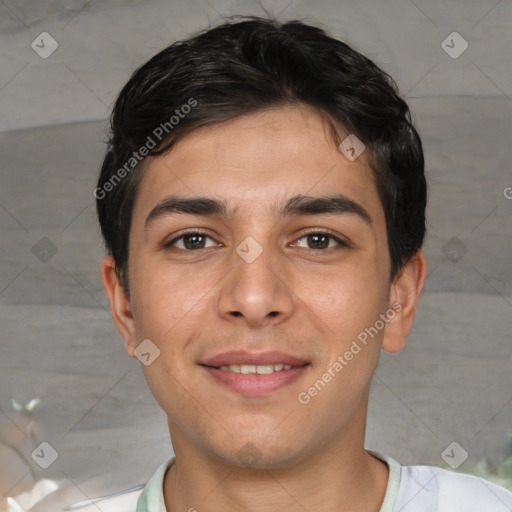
{"points": [[189, 245], [316, 237]]}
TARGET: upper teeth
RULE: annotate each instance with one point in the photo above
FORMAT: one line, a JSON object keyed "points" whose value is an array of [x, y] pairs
{"points": [[252, 368]]}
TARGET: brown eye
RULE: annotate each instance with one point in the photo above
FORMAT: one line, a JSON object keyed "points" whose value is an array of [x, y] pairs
{"points": [[190, 241], [321, 240], [318, 241], [194, 241]]}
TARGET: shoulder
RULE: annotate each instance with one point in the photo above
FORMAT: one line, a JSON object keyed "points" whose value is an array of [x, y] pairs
{"points": [[430, 488], [59, 501], [127, 503]]}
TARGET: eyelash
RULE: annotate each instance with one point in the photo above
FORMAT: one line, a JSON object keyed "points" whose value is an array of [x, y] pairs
{"points": [[169, 245]]}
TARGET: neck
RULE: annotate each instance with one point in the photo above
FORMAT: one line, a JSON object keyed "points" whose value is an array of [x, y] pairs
{"points": [[336, 476]]}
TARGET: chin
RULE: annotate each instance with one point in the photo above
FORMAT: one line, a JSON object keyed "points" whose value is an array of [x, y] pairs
{"points": [[259, 453]]}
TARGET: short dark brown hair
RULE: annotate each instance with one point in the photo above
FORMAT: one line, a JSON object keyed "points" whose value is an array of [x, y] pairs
{"points": [[250, 64]]}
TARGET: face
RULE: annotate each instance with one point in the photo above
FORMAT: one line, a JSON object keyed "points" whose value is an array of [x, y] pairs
{"points": [[257, 307]]}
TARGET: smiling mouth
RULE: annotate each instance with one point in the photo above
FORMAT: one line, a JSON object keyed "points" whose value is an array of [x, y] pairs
{"points": [[256, 369], [251, 379], [260, 369]]}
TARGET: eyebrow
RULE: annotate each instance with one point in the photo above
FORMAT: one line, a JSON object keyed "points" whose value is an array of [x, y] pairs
{"points": [[294, 206]]}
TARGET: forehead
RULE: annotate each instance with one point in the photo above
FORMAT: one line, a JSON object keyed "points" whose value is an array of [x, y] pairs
{"points": [[256, 162]]}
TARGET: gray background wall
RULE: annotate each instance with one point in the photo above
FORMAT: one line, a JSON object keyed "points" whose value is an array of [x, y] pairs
{"points": [[453, 381]]}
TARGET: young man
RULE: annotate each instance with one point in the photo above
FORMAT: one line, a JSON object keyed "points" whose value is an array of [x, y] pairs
{"points": [[263, 203]]}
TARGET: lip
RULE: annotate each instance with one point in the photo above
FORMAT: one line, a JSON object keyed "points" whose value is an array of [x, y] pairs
{"points": [[241, 357], [255, 384]]}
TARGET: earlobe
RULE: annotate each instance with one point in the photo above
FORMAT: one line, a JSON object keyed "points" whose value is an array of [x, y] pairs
{"points": [[405, 292], [120, 306]]}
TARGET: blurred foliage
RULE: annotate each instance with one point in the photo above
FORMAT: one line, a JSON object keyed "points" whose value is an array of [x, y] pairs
{"points": [[499, 475]]}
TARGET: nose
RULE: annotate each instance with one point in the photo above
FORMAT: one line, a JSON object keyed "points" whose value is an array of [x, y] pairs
{"points": [[256, 291]]}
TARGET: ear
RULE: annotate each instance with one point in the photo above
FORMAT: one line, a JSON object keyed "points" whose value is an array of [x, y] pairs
{"points": [[404, 294], [120, 306]]}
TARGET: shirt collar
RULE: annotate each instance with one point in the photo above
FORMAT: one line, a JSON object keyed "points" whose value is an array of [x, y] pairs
{"points": [[395, 471], [152, 498]]}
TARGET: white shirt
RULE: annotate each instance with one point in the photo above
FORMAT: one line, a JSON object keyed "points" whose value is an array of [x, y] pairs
{"points": [[409, 489]]}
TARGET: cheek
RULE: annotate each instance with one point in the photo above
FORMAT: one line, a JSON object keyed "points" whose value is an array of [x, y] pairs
{"points": [[346, 299], [167, 295]]}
